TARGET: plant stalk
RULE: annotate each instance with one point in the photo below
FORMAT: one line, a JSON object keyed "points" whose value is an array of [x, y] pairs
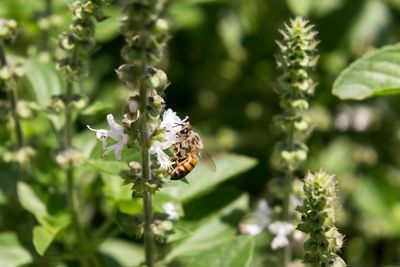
{"points": [[13, 99], [146, 172], [82, 240], [287, 190]]}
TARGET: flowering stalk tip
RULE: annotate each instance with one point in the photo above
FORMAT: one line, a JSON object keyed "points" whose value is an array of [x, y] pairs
{"points": [[318, 220]]}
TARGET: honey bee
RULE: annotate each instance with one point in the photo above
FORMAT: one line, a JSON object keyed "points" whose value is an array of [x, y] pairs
{"points": [[188, 151]]}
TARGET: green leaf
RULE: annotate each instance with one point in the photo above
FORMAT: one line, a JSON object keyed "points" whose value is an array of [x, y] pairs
{"points": [[41, 239], [29, 200], [236, 251], [300, 7], [306, 7], [202, 180], [122, 252], [186, 15], [96, 108], [216, 230], [50, 224], [377, 73], [109, 167], [108, 29], [44, 79], [369, 22], [12, 253]]}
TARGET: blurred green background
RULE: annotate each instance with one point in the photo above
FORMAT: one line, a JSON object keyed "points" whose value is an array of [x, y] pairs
{"points": [[222, 71]]}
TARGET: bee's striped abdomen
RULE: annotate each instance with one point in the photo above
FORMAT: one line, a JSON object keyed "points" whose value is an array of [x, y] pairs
{"points": [[184, 167]]}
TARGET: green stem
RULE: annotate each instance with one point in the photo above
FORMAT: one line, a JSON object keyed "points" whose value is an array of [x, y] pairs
{"points": [[13, 98], [287, 190], [82, 240], [146, 172]]}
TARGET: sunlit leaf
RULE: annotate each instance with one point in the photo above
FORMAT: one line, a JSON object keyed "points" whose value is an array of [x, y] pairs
{"points": [[41, 239], [109, 28], [12, 253], [377, 73], [119, 252], [237, 252], [202, 180], [29, 200], [96, 108], [44, 79], [369, 23], [215, 230], [109, 167]]}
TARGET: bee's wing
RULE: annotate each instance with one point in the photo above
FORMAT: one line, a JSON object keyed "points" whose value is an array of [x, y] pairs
{"points": [[207, 159]]}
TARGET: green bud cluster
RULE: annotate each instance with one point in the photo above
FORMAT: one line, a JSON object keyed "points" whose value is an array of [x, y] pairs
{"points": [[8, 70], [79, 41], [146, 35], [295, 85], [8, 30], [318, 218], [134, 177]]}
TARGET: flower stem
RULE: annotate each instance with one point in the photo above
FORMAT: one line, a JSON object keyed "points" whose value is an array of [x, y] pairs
{"points": [[13, 98], [82, 240], [147, 201]]}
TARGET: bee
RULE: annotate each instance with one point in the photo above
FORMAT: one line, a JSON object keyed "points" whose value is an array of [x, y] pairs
{"points": [[188, 151]]}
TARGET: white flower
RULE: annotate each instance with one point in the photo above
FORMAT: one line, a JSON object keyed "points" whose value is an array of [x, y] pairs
{"points": [[255, 221], [171, 210], [281, 230], [116, 132], [171, 124], [250, 229]]}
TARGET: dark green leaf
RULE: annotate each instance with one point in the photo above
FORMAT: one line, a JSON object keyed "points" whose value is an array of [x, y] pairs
{"points": [[50, 224], [201, 179], [377, 73], [213, 231]]}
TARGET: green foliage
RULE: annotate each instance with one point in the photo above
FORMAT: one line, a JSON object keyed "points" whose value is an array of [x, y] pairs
{"points": [[51, 224], [375, 74], [12, 253], [44, 80], [221, 66], [201, 180], [216, 233]]}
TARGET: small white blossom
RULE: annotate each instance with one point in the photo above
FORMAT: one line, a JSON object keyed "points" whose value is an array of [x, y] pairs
{"points": [[255, 222], [281, 230], [171, 210], [171, 124], [116, 132], [251, 229]]}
